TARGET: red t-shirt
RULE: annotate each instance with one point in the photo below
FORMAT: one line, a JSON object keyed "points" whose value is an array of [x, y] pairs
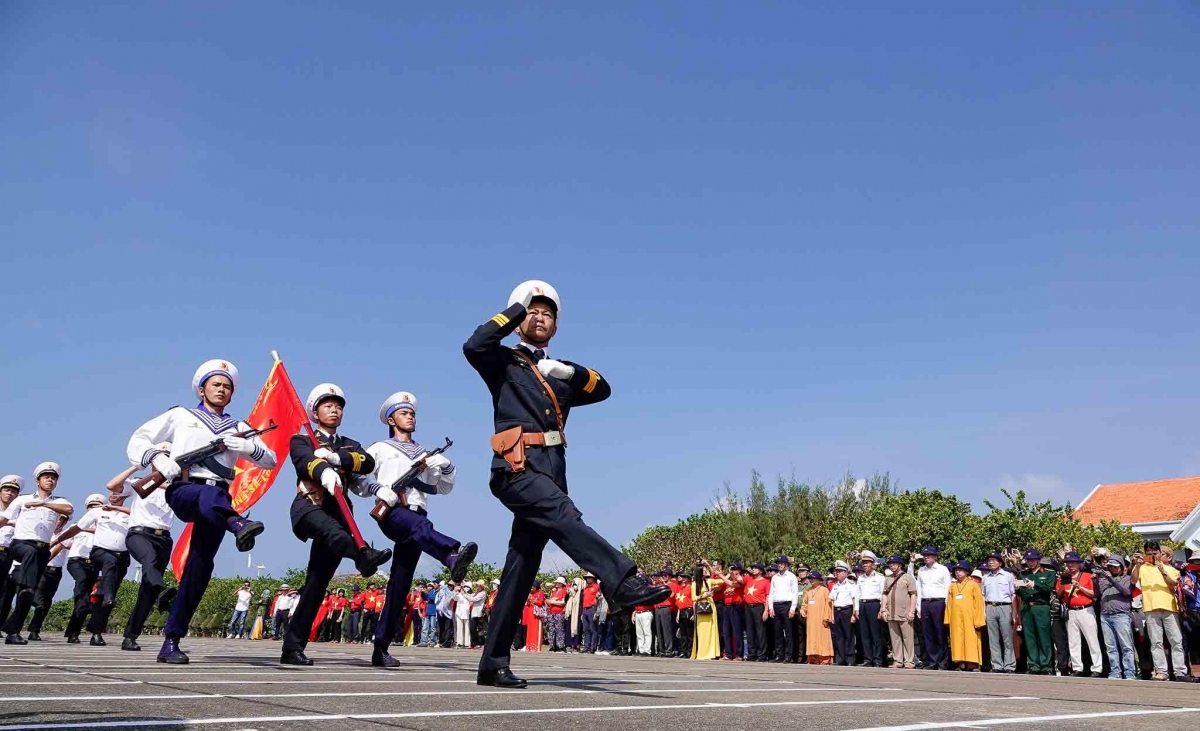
{"points": [[665, 603], [683, 597], [356, 603], [559, 594], [733, 592], [590, 592], [1078, 599], [756, 590], [339, 602]]}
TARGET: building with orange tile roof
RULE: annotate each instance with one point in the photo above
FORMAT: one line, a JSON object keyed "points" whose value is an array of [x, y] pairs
{"points": [[1155, 509]]}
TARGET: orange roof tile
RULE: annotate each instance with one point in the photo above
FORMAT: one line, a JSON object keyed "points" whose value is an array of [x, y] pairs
{"points": [[1141, 502]]}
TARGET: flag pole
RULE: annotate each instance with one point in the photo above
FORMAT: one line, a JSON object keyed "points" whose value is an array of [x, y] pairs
{"points": [[337, 494]]}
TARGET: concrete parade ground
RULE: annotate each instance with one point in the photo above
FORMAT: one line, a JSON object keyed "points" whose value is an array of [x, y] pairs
{"points": [[239, 686]]}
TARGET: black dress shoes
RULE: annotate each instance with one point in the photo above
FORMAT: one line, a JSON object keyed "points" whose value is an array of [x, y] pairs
{"points": [[294, 657], [502, 678]]}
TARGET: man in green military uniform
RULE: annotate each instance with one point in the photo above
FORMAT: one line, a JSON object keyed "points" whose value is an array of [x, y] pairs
{"points": [[1035, 587]]}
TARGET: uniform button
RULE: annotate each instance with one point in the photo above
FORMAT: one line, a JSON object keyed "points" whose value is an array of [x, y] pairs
{"points": [[547, 412]]}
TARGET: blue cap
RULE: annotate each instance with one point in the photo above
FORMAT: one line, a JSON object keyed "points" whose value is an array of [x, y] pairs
{"points": [[537, 584], [996, 555], [758, 566], [354, 587], [965, 565], [736, 565], [896, 559], [1072, 557], [929, 551], [1051, 563], [783, 559], [816, 575], [1032, 554]]}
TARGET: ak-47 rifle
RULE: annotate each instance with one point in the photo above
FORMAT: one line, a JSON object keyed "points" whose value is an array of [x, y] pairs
{"points": [[380, 511], [155, 479]]}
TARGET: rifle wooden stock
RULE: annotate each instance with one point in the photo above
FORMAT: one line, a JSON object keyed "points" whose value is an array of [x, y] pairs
{"points": [[149, 483], [380, 511]]}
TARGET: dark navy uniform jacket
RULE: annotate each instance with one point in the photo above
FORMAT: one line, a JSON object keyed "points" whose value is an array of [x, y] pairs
{"points": [[355, 461], [518, 398]]}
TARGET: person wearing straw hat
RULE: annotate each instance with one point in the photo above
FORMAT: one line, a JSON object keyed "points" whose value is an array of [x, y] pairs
{"points": [[964, 617]]}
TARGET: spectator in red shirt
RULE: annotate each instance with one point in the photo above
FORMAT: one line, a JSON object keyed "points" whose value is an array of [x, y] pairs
{"points": [[734, 612], [754, 596], [355, 606], [591, 628], [556, 604], [338, 608], [1079, 597], [664, 620], [684, 614]]}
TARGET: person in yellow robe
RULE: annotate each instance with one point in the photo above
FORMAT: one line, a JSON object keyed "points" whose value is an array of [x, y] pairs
{"points": [[964, 615], [706, 642], [817, 609]]}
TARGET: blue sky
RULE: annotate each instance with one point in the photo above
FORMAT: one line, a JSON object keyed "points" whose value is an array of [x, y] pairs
{"points": [[959, 244]]}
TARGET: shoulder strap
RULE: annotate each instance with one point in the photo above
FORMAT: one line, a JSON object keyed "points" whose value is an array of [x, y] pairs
{"points": [[558, 418]]}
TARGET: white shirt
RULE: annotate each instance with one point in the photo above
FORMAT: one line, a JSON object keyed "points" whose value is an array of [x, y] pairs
{"points": [[844, 594], [477, 601], [392, 460], [152, 512], [111, 527], [933, 582], [188, 430], [243, 596], [870, 586], [6, 533], [61, 559], [81, 544], [784, 588], [462, 605], [284, 603], [33, 524]]}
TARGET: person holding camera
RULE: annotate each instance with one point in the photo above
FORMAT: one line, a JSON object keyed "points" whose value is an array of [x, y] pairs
{"points": [[1153, 572], [1078, 595], [1115, 590]]}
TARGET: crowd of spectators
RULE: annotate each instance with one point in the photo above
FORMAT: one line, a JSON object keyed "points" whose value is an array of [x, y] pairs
{"points": [[1123, 617]]}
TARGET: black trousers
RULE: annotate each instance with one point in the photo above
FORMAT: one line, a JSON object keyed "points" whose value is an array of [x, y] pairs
{"points": [[282, 620], [542, 512], [113, 566], [7, 588], [153, 554], [33, 555], [328, 530], [935, 634], [664, 631], [43, 596], [843, 636], [756, 633], [783, 631], [445, 631], [687, 627], [799, 650], [84, 572], [870, 632]]}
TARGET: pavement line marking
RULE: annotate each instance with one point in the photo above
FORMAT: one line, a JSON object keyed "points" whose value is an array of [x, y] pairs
{"points": [[376, 679], [390, 693], [491, 712], [72, 682], [1023, 719]]}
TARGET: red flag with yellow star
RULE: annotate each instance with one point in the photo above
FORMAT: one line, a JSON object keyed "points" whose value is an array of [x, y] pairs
{"points": [[276, 402]]}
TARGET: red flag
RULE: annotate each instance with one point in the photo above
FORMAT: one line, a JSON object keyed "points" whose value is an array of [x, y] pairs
{"points": [[278, 402]]}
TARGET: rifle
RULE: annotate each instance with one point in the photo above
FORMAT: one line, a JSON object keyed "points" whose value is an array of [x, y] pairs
{"points": [[155, 479], [380, 511]]}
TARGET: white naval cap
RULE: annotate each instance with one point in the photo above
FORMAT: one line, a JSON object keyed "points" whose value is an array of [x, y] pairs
{"points": [[210, 368], [321, 392], [13, 481], [94, 499], [45, 467], [540, 289], [395, 402]]}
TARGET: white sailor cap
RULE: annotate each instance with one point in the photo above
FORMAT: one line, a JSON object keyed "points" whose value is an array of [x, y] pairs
{"points": [[94, 499], [13, 481], [47, 467], [540, 289], [320, 393], [395, 402], [210, 368]]}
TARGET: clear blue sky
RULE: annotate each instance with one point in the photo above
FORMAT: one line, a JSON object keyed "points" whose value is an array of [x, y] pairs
{"points": [[960, 244]]}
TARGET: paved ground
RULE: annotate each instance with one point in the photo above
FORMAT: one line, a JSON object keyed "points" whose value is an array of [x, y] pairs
{"points": [[238, 686]]}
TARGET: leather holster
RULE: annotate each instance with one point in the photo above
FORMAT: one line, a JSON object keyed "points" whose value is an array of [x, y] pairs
{"points": [[311, 491], [509, 445]]}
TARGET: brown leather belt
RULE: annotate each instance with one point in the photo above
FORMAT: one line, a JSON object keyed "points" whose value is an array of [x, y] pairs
{"points": [[510, 444], [542, 439]]}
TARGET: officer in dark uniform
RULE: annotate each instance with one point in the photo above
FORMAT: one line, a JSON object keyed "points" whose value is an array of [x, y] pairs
{"points": [[532, 396], [315, 513]]}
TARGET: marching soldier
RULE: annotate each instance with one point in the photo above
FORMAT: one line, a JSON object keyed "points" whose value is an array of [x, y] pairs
{"points": [[1036, 588], [201, 497], [82, 570], [109, 555], [149, 542], [10, 487], [317, 516], [407, 522], [34, 519], [532, 396], [43, 596]]}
